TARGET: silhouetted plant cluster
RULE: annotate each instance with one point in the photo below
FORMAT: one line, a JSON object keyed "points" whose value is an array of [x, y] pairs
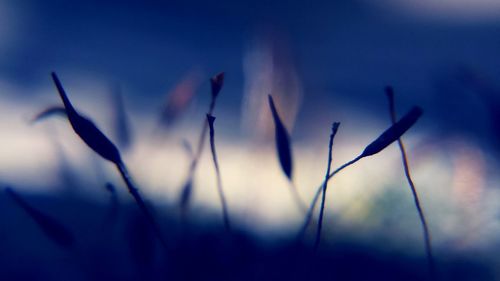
{"points": [[144, 226], [392, 134]]}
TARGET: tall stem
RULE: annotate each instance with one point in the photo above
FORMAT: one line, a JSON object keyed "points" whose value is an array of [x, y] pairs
{"points": [[140, 202], [318, 193], [325, 185], [225, 213], [196, 157], [427, 236]]}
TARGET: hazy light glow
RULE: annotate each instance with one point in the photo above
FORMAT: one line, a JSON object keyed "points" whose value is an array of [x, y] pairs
{"points": [[370, 197], [269, 69]]}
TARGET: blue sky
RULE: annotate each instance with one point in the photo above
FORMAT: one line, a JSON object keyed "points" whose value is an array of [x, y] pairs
{"points": [[342, 51]]}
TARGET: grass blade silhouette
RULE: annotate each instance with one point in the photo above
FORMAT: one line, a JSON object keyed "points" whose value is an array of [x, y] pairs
{"points": [[140, 202], [49, 112], [86, 129], [427, 237], [98, 142], [390, 135], [53, 229], [394, 132], [335, 127], [216, 84], [282, 141], [284, 150], [225, 213]]}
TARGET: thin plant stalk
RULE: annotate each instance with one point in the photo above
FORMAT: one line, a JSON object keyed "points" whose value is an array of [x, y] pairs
{"points": [[319, 190], [140, 202], [427, 236], [99, 143], [387, 137], [201, 141], [216, 86], [335, 127], [225, 213]]}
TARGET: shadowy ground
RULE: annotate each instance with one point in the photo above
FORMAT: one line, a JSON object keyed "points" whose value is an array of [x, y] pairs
{"points": [[113, 242]]}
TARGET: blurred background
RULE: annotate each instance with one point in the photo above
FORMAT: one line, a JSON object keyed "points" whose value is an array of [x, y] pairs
{"points": [[141, 69]]}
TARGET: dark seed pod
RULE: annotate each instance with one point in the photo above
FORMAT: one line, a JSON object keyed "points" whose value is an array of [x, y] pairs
{"points": [[282, 141], [217, 82], [96, 140], [87, 130], [394, 132], [53, 229]]}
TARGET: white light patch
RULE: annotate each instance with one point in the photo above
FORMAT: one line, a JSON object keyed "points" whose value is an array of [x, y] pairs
{"points": [[451, 183]]}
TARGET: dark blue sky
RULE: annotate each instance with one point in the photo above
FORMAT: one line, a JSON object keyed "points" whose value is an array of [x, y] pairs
{"points": [[342, 52]]}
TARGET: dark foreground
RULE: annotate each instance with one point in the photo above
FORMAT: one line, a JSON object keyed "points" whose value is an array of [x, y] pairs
{"points": [[111, 241]]}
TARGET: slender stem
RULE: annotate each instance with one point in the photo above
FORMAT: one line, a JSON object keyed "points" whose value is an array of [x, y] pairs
{"points": [[309, 213], [318, 193], [344, 166], [325, 185], [198, 152], [201, 140], [225, 213], [320, 221], [196, 157], [140, 202], [427, 236]]}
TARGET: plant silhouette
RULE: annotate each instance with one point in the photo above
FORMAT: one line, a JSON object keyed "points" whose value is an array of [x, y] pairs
{"points": [[99, 143], [284, 150], [53, 229], [427, 237], [216, 83], [390, 135]]}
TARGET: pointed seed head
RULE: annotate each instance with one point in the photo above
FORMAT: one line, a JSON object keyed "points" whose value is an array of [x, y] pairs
{"points": [[217, 82], [394, 132]]}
